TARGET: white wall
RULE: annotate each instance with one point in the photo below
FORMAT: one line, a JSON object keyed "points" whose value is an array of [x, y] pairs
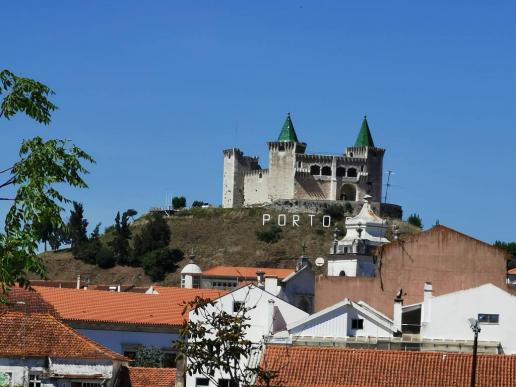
{"points": [[21, 368], [261, 320], [348, 265], [337, 323], [450, 312], [114, 340]]}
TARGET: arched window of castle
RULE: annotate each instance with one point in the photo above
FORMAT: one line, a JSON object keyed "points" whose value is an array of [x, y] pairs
{"points": [[361, 168], [326, 171], [260, 175], [348, 192], [352, 172], [342, 273], [299, 164], [341, 171], [315, 170]]}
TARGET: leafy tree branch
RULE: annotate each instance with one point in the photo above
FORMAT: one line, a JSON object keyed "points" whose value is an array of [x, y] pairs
{"points": [[41, 168]]}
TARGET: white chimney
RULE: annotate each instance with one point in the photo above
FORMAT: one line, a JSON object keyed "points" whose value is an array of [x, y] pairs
{"points": [[271, 284], [398, 310], [270, 318], [78, 282], [426, 312], [260, 276]]}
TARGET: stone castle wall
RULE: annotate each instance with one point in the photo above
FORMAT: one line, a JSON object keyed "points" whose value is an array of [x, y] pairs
{"points": [[256, 187]]}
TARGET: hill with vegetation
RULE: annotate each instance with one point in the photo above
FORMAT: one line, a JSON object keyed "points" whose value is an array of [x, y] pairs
{"points": [[217, 237]]}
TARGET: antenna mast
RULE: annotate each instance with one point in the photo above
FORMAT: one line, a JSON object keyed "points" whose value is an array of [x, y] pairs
{"points": [[389, 173]]}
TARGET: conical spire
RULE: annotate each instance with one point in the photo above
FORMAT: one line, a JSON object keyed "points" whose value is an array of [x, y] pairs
{"points": [[364, 136], [287, 131]]}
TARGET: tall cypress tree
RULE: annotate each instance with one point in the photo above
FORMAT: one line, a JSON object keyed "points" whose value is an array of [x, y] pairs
{"points": [[120, 242], [77, 226]]}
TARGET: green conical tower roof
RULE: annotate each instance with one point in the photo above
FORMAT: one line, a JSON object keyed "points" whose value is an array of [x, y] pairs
{"points": [[364, 136], [287, 131]]}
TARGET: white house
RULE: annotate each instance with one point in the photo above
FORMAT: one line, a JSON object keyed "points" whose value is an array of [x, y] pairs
{"points": [[269, 314], [446, 317], [344, 320], [38, 350]]}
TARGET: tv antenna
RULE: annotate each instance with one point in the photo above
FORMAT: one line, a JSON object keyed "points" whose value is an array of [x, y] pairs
{"points": [[389, 173]]}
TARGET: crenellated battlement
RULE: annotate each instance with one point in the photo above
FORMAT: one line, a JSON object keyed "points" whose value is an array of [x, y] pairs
{"points": [[263, 172], [363, 152]]}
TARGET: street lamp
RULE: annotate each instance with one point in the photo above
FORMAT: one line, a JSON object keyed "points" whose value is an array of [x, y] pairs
{"points": [[475, 327]]}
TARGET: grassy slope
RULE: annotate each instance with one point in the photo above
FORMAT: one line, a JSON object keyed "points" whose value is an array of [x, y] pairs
{"points": [[218, 237]]}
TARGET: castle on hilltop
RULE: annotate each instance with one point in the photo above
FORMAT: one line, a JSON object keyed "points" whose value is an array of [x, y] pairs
{"points": [[296, 175]]}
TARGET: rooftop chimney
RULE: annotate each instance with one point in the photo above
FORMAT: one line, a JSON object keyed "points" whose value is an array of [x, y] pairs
{"points": [[271, 284], [78, 282], [426, 313], [270, 318], [398, 310], [260, 276]]}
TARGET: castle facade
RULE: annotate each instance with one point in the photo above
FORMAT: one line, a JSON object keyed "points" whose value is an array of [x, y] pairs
{"points": [[296, 175]]}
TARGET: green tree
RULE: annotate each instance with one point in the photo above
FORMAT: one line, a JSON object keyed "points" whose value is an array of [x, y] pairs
{"points": [[77, 228], [157, 263], [155, 234], [178, 202], [105, 258], [415, 220], [44, 230], [41, 168], [151, 357], [122, 235], [215, 340]]}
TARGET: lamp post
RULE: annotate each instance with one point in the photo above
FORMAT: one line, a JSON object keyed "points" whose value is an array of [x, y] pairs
{"points": [[475, 327]]}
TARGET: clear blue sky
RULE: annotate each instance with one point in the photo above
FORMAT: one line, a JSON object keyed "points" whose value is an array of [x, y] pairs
{"points": [[156, 90]]}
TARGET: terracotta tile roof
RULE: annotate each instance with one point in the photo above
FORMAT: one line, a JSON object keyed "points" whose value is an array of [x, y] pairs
{"points": [[146, 377], [26, 301], [335, 367], [162, 309], [41, 335], [245, 272]]}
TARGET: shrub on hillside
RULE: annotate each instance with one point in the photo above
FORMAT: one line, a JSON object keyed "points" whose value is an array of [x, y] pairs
{"points": [[269, 234], [156, 264], [198, 203], [105, 258], [336, 211]]}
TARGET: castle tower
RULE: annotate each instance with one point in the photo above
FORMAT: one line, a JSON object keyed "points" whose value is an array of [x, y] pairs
{"points": [[235, 167], [365, 148], [282, 161]]}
